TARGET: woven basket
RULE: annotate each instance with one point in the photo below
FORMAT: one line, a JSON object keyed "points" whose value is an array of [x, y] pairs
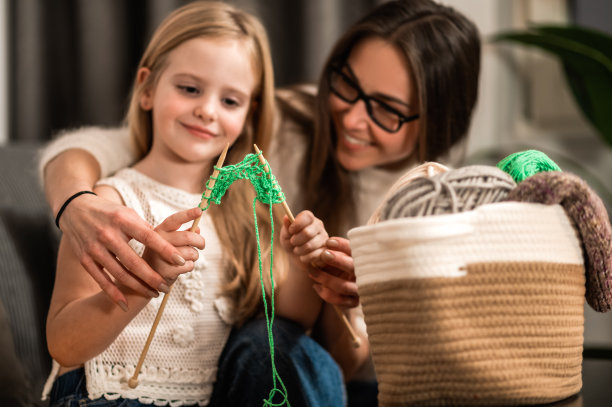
{"points": [[477, 308]]}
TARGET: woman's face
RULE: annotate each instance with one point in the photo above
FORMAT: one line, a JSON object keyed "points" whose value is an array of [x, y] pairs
{"points": [[381, 72]]}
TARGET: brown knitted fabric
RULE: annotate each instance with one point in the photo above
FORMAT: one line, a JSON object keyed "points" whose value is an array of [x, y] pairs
{"points": [[590, 217], [505, 334]]}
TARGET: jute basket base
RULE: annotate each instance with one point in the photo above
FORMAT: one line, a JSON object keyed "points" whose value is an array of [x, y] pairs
{"points": [[505, 334]]}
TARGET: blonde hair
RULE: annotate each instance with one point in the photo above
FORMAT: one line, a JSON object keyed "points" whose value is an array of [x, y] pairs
{"points": [[233, 219]]}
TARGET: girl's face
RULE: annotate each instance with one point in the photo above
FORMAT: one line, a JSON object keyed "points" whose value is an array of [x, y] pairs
{"points": [[201, 100], [378, 69]]}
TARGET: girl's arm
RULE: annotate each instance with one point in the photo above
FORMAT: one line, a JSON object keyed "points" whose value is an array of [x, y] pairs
{"points": [[96, 229], [82, 320]]}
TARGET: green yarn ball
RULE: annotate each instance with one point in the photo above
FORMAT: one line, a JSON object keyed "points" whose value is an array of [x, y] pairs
{"points": [[524, 164]]}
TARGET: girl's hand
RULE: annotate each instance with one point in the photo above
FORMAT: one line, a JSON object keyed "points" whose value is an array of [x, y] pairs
{"points": [[334, 274], [305, 237], [98, 231], [185, 242]]}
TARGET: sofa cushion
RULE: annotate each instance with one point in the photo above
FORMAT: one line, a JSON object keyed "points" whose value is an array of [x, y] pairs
{"points": [[28, 247]]}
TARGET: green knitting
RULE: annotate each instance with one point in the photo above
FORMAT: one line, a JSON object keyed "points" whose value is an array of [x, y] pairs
{"points": [[267, 188], [268, 192], [524, 164]]}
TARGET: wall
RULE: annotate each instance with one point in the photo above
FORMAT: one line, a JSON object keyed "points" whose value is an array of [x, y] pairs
{"points": [[524, 103]]}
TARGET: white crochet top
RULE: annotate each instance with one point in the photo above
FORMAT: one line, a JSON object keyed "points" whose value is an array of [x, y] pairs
{"points": [[181, 365]]}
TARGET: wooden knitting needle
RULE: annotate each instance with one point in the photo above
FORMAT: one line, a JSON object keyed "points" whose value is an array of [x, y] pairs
{"points": [[133, 381], [356, 340]]}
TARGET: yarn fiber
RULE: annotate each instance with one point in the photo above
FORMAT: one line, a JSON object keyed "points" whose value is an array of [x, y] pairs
{"points": [[454, 191], [589, 215], [524, 164], [427, 169], [268, 191]]}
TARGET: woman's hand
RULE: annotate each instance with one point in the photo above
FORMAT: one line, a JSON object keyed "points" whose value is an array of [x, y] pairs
{"points": [[334, 274], [98, 231], [185, 242], [305, 237]]}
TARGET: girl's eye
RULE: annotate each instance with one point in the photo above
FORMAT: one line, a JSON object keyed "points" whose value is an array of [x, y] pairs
{"points": [[230, 102], [189, 90]]}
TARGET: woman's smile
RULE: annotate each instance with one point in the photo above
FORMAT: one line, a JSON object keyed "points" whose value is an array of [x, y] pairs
{"points": [[355, 143]]}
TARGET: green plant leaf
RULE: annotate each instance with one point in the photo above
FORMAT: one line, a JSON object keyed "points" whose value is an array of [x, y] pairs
{"points": [[596, 39], [588, 69], [593, 94]]}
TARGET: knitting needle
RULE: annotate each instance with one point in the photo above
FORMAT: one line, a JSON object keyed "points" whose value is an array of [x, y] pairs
{"points": [[356, 340], [133, 381]]}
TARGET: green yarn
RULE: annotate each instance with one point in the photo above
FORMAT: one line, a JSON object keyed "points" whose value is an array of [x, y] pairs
{"points": [[270, 318], [268, 192], [524, 164], [267, 188]]}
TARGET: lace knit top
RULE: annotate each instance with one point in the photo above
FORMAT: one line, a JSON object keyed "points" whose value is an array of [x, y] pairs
{"points": [[181, 364]]}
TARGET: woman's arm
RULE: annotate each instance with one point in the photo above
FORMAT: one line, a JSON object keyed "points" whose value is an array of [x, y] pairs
{"points": [[82, 320], [96, 229], [334, 279]]}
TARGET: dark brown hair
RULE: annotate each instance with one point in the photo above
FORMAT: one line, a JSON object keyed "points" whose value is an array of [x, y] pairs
{"points": [[442, 47]]}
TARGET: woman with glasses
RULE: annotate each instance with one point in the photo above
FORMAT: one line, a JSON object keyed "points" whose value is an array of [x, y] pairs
{"points": [[398, 89]]}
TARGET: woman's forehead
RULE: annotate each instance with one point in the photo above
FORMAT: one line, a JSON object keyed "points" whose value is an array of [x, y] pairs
{"points": [[381, 68]]}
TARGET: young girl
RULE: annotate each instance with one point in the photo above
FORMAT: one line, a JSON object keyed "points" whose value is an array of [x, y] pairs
{"points": [[204, 81]]}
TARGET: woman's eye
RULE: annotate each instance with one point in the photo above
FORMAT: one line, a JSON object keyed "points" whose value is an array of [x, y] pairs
{"points": [[190, 90]]}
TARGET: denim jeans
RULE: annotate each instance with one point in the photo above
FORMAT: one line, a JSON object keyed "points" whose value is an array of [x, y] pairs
{"points": [[312, 378]]}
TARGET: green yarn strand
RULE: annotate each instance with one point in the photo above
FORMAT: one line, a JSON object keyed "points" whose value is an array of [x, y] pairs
{"points": [[270, 315], [267, 192], [524, 164]]}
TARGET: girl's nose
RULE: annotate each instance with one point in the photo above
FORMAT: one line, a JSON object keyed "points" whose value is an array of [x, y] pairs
{"points": [[356, 116], [206, 110]]}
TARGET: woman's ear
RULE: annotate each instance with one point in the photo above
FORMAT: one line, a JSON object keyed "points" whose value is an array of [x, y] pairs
{"points": [[146, 95]]}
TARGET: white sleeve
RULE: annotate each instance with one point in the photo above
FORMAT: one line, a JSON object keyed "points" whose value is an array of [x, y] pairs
{"points": [[111, 147]]}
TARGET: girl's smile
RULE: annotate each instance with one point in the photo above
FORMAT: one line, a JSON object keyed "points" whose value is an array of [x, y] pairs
{"points": [[199, 131], [199, 103]]}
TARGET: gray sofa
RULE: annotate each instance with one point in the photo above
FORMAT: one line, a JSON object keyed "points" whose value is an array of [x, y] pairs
{"points": [[28, 246]]}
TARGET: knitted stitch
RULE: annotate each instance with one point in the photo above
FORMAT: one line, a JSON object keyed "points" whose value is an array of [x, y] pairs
{"points": [[589, 214]]}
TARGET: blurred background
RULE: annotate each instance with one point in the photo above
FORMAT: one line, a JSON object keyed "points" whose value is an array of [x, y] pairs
{"points": [[69, 63]]}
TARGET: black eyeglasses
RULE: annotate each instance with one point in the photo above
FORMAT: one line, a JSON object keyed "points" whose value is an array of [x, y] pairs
{"points": [[386, 117]]}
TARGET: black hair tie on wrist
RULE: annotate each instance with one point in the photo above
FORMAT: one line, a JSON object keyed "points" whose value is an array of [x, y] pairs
{"points": [[59, 214]]}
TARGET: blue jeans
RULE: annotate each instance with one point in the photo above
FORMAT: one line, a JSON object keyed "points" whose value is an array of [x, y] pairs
{"points": [[312, 378]]}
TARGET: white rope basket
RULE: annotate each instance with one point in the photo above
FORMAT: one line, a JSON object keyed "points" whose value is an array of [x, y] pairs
{"points": [[477, 308]]}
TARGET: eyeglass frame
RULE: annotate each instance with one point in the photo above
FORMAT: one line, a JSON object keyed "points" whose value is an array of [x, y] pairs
{"points": [[361, 95]]}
